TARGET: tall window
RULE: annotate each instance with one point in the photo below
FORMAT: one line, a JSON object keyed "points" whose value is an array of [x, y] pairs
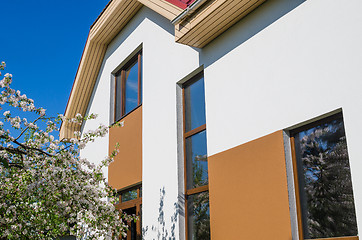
{"points": [[324, 194], [128, 89], [196, 166]]}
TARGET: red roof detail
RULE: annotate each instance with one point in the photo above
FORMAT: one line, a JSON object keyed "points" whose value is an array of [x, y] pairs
{"points": [[181, 3]]}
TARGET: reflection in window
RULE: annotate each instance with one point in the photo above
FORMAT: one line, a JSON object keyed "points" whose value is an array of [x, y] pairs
{"points": [[132, 226], [325, 181], [131, 204], [131, 90], [196, 160], [196, 172], [198, 211], [129, 195], [195, 105], [128, 90]]}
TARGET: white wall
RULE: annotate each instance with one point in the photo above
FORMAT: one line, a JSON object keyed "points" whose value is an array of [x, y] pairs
{"points": [[96, 151], [163, 65], [287, 62]]}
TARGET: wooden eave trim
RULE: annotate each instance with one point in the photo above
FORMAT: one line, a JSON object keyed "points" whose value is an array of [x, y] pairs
{"points": [[211, 20], [117, 14], [208, 22], [162, 7], [104, 9]]}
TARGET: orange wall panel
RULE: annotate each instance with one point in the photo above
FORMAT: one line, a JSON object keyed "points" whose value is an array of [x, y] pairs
{"points": [[126, 169], [248, 191]]}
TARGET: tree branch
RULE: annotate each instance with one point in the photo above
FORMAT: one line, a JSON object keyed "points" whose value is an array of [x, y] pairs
{"points": [[12, 150], [22, 132], [32, 148]]}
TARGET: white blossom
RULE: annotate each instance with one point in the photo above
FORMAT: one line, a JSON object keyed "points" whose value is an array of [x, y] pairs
{"points": [[46, 189]]}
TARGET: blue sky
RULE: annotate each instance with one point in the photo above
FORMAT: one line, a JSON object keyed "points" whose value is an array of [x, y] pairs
{"points": [[42, 42]]}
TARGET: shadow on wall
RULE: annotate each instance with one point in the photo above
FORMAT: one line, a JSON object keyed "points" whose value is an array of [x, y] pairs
{"points": [[163, 231], [262, 17]]}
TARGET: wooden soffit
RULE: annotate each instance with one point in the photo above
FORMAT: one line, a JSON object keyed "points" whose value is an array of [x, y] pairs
{"points": [[212, 19]]}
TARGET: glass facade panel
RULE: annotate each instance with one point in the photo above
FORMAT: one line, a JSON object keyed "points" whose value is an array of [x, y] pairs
{"points": [[131, 91], [325, 181], [196, 160], [198, 216], [195, 105], [129, 195]]}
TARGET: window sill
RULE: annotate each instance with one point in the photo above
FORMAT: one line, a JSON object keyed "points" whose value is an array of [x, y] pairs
{"points": [[126, 114]]}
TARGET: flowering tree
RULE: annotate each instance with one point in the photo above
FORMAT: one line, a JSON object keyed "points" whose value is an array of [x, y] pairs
{"points": [[46, 189]]}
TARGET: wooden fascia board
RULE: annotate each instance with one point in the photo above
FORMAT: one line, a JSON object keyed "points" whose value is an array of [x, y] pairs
{"points": [[108, 25], [162, 7], [211, 20], [197, 30]]}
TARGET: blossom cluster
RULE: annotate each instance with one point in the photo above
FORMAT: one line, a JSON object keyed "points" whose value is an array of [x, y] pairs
{"points": [[46, 189]]}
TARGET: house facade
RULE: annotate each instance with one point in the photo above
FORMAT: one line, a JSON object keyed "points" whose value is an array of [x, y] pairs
{"points": [[237, 119]]}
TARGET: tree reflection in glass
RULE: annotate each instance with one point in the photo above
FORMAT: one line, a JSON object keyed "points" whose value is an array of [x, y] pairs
{"points": [[198, 211], [325, 181], [196, 160], [129, 195]]}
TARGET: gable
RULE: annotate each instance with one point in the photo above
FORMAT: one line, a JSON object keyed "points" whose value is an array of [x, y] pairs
{"points": [[197, 22]]}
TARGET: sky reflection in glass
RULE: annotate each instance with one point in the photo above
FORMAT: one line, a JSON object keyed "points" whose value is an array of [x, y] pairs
{"points": [[195, 105], [131, 88]]}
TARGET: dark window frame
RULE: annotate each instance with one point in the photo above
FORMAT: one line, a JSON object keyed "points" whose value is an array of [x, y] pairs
{"points": [[187, 134], [137, 58], [297, 172]]}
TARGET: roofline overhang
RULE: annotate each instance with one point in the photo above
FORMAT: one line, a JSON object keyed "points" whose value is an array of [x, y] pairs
{"points": [[200, 25], [101, 33]]}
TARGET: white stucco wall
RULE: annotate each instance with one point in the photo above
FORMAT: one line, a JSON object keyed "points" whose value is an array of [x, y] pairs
{"points": [[282, 65], [163, 65], [287, 62], [96, 151]]}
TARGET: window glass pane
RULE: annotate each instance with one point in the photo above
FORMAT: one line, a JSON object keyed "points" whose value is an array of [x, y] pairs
{"points": [[198, 216], [195, 105], [325, 181], [132, 228], [196, 160], [131, 101], [129, 195], [118, 107]]}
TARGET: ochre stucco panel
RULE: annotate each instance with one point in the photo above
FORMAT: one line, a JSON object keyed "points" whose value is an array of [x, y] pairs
{"points": [[126, 170], [249, 193]]}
